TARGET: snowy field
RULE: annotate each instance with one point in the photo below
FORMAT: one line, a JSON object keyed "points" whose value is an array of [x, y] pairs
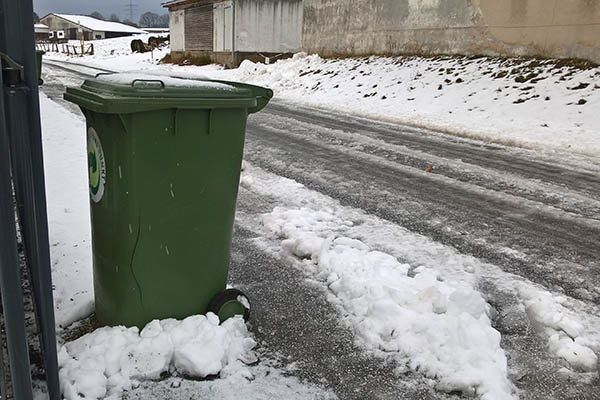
{"points": [[520, 102], [405, 296]]}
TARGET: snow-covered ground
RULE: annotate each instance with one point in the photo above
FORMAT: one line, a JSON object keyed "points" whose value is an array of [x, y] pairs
{"points": [[403, 295], [522, 102], [65, 158]]}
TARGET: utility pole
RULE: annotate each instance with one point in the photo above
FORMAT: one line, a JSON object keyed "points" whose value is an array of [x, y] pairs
{"points": [[130, 8], [232, 33]]}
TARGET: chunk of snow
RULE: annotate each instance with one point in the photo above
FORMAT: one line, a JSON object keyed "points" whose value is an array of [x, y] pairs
{"points": [[438, 328], [109, 360], [579, 357], [566, 335]]}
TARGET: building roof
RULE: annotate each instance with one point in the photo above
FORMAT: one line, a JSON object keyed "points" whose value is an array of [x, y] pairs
{"points": [[40, 28], [98, 25], [173, 3]]}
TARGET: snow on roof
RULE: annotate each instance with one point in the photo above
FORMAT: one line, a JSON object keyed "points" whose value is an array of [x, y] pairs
{"points": [[99, 25], [40, 28]]}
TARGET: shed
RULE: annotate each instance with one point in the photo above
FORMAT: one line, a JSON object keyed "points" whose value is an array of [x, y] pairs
{"points": [[229, 31], [70, 26], [41, 32]]}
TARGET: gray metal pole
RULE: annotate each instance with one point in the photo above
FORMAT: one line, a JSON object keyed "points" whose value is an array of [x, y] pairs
{"points": [[23, 125], [232, 33], [10, 275]]}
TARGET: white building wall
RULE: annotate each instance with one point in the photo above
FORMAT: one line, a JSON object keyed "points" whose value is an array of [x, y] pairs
{"points": [[273, 26], [177, 27]]}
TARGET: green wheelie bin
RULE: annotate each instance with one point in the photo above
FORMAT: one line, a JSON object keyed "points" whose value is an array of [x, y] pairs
{"points": [[164, 159]]}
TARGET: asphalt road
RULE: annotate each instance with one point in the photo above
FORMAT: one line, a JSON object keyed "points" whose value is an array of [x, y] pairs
{"points": [[534, 214]]}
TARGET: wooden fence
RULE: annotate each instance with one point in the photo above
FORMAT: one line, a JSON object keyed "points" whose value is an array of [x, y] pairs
{"points": [[65, 48]]}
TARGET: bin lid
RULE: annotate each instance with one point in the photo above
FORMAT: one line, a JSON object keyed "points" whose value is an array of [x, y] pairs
{"points": [[124, 93]]}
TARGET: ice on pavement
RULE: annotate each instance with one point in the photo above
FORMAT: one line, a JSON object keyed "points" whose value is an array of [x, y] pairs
{"points": [[109, 360], [439, 328]]}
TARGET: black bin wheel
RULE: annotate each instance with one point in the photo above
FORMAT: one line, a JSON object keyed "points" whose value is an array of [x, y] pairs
{"points": [[229, 303]]}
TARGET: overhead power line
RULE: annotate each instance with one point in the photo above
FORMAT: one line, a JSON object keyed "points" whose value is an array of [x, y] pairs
{"points": [[131, 8]]}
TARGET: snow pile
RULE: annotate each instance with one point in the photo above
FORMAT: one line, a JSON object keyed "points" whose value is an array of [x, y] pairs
{"points": [[526, 102], [65, 160], [567, 337], [440, 329], [109, 360]]}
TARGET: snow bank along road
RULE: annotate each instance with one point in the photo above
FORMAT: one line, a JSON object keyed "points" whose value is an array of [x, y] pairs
{"points": [[450, 221]]}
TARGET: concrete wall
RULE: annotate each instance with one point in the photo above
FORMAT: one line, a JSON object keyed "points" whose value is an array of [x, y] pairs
{"points": [[549, 28], [268, 26], [177, 25]]}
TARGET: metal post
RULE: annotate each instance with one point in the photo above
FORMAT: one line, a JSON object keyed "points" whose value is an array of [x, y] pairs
{"points": [[232, 33], [10, 275], [21, 106]]}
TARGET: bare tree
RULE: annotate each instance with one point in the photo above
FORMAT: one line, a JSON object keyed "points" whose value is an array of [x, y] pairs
{"points": [[130, 23], [97, 15], [149, 20], [164, 21], [114, 18]]}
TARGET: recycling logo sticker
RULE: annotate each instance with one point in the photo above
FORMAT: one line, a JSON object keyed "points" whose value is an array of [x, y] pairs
{"points": [[96, 165]]}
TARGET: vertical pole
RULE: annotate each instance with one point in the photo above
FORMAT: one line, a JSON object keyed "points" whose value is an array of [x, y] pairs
{"points": [[10, 274], [232, 33], [82, 39], [24, 133]]}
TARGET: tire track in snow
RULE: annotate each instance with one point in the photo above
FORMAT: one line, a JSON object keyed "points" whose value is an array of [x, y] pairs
{"points": [[500, 181], [478, 153]]}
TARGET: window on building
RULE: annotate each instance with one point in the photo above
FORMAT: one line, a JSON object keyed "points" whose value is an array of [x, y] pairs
{"points": [[60, 34]]}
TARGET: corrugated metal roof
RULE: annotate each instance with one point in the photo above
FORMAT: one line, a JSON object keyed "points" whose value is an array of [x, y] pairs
{"points": [[179, 2]]}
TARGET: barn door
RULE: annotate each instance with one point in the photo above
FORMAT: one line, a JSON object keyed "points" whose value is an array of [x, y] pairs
{"points": [[227, 21]]}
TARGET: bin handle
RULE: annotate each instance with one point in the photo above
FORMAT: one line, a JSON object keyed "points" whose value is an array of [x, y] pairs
{"points": [[162, 84]]}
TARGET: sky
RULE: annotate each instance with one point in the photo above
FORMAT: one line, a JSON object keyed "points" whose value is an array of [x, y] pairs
{"points": [[105, 7]]}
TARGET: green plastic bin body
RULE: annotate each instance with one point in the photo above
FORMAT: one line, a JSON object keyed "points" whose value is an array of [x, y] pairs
{"points": [[38, 60], [164, 167]]}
